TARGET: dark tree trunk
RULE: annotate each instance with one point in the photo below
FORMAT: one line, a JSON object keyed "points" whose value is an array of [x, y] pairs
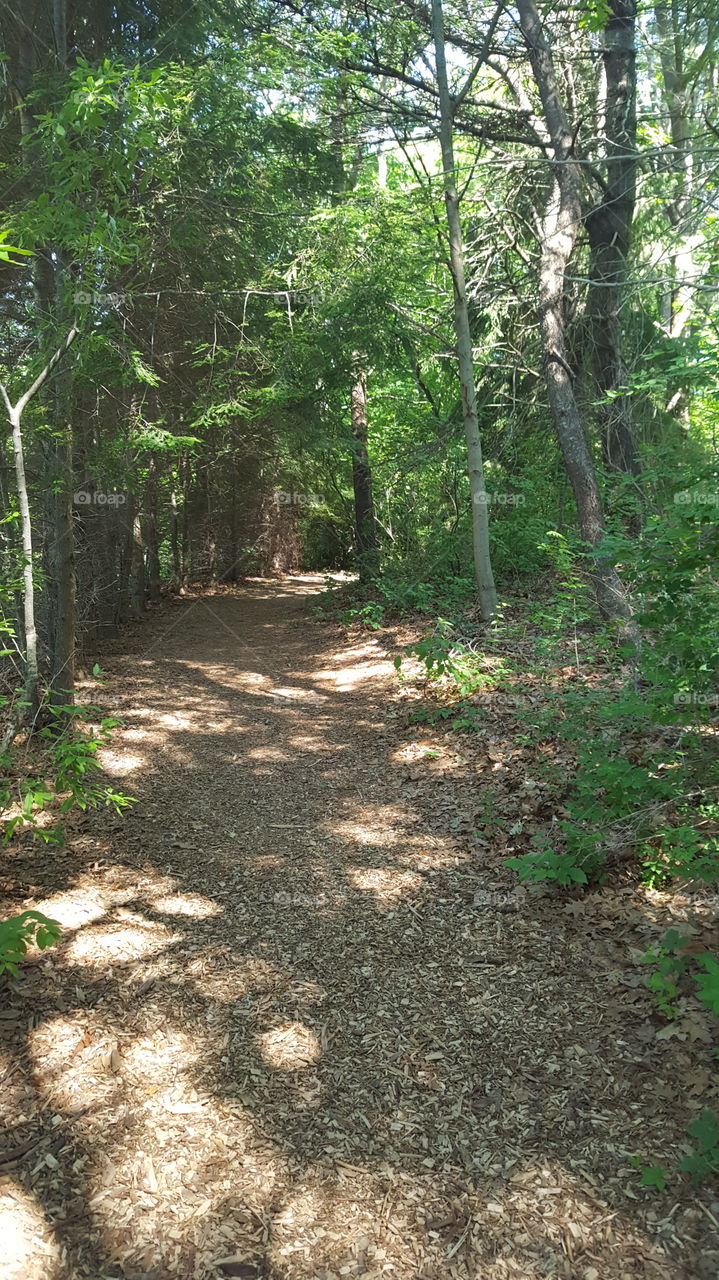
{"points": [[560, 227], [609, 226], [152, 531], [137, 577], [175, 540]]}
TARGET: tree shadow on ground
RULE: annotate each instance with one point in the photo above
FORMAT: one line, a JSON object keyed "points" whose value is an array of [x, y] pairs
{"points": [[278, 1031]]}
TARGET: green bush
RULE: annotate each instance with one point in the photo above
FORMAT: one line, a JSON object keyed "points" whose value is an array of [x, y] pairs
{"points": [[17, 934]]}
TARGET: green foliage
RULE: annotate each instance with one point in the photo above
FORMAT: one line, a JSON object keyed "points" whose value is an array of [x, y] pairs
{"points": [[446, 656], [670, 964], [370, 614], [701, 1161], [570, 603], [564, 869], [708, 983], [7, 250], [671, 961], [642, 764], [69, 777], [18, 933], [704, 1158], [654, 1175]]}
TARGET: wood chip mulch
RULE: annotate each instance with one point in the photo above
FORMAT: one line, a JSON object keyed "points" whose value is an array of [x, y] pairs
{"points": [[301, 1025]]}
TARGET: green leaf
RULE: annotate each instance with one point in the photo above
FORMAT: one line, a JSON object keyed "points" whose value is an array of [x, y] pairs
{"points": [[654, 1175], [706, 1131], [708, 983]]}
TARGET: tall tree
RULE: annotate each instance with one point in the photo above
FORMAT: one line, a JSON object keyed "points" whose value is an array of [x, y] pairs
{"points": [[558, 234], [463, 335], [609, 226]]}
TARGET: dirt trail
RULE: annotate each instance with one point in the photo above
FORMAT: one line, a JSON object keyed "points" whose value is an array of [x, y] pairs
{"points": [[279, 1039]]}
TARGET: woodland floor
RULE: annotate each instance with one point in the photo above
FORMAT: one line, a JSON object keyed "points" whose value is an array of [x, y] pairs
{"points": [[299, 1024]]}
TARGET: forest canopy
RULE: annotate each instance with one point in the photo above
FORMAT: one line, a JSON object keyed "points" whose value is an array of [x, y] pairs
{"points": [[421, 294]]}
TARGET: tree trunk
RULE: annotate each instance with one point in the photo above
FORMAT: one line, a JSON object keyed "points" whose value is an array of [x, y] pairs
{"points": [[609, 227], [560, 226], [480, 515], [32, 674], [677, 74], [64, 590], [137, 577], [14, 413], [124, 590], [175, 540], [185, 539], [153, 537], [365, 525]]}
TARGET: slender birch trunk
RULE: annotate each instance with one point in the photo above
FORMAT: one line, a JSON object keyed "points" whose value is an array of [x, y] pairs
{"points": [[14, 414], [365, 523], [480, 515]]}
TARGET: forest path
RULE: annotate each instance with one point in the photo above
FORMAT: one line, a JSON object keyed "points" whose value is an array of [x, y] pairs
{"points": [[280, 1038]]}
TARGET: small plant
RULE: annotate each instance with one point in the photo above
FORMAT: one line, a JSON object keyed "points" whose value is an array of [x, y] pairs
{"points": [[672, 959], [545, 864], [708, 983], [445, 656], [652, 1175], [69, 758], [701, 1160], [669, 967], [570, 605], [704, 1159], [369, 615], [17, 934]]}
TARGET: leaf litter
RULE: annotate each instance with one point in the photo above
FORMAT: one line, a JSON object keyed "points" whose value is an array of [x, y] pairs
{"points": [[302, 1024]]}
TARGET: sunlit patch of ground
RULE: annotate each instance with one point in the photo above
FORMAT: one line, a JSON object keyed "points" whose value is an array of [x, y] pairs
{"points": [[290, 1047], [312, 1067], [347, 678], [119, 764], [28, 1249], [125, 938], [79, 907], [186, 904], [387, 885]]}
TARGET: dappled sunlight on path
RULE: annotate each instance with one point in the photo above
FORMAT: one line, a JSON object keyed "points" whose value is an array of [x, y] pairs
{"points": [[277, 1039]]}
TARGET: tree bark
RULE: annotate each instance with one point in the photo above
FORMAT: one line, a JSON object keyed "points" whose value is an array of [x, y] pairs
{"points": [[175, 540], [609, 226], [32, 673], [365, 524], [14, 413], [62, 588], [560, 226], [677, 74], [480, 516], [137, 576], [152, 535], [186, 478]]}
